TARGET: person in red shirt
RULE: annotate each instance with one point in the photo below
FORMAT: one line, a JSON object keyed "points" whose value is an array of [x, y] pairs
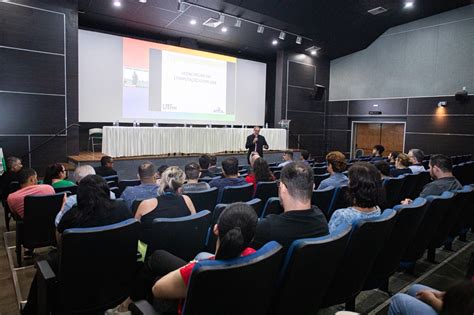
{"points": [[28, 181], [260, 173]]}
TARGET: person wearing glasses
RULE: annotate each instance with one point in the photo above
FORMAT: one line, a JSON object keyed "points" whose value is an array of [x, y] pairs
{"points": [[56, 175]]}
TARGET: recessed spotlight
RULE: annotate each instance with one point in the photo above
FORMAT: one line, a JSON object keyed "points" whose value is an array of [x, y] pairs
{"points": [[314, 52], [409, 4], [192, 22], [260, 29], [224, 29], [274, 42], [299, 40], [142, 1], [238, 22], [117, 3]]}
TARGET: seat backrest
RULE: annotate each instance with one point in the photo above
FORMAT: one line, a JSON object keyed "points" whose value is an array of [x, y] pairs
{"points": [[423, 179], [245, 285], [319, 170], [435, 212], [97, 266], [322, 199], [256, 204], [265, 190], [135, 205], [184, 237], [127, 183], [393, 189], [241, 193], [204, 200], [38, 229], [309, 267], [366, 240], [272, 206], [95, 132], [277, 174], [409, 186], [112, 178], [466, 216], [408, 220], [71, 189], [319, 178], [340, 200]]}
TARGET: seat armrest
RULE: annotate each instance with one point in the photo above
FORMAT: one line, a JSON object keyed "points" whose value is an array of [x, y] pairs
{"points": [[46, 286], [142, 307]]}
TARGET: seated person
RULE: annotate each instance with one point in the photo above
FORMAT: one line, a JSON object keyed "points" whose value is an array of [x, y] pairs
{"points": [[420, 299], [304, 157], [416, 157], [192, 172], [366, 193], [287, 158], [13, 166], [336, 165], [56, 175], [212, 165], [299, 219], [260, 172], [106, 167], [94, 208], [80, 172], [166, 276], [401, 166], [384, 169], [204, 161], [168, 204], [160, 171], [230, 173], [441, 171], [392, 157], [147, 188], [28, 187], [377, 153]]}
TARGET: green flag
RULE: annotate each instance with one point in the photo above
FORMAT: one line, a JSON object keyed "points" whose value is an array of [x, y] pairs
{"points": [[3, 166]]}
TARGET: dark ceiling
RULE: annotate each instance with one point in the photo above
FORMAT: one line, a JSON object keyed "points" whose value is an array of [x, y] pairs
{"points": [[339, 27]]}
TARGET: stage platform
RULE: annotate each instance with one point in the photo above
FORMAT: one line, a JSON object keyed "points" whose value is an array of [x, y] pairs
{"points": [[127, 166]]}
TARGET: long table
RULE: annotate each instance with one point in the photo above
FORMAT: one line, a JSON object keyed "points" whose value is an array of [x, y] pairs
{"points": [[138, 141]]}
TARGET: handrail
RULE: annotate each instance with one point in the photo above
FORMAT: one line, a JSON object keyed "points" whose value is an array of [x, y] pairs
{"points": [[50, 139]]}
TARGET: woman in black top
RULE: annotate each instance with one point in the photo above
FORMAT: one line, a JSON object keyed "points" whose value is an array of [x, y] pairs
{"points": [[168, 204]]}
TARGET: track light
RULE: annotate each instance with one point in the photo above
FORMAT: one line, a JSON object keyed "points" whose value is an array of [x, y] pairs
{"points": [[298, 40], [282, 35], [221, 18], [260, 29], [181, 7], [238, 22], [313, 50]]}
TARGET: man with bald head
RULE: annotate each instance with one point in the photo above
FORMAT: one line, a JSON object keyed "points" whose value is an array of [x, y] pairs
{"points": [[255, 143]]}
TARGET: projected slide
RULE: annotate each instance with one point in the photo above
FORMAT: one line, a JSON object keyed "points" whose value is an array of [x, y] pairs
{"points": [[163, 81]]}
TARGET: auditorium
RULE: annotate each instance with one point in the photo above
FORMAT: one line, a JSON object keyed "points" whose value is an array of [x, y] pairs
{"points": [[236, 157]]}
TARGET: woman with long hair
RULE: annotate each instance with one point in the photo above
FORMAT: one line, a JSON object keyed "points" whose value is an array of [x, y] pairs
{"points": [[260, 173]]}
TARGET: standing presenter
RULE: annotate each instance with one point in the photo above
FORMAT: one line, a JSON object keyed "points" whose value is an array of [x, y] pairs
{"points": [[255, 143]]}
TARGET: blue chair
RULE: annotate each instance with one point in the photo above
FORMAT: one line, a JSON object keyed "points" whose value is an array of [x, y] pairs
{"points": [[340, 200], [308, 269], [112, 180], [366, 241], [204, 200], [320, 170], [408, 220], [272, 206], [409, 186], [184, 237], [423, 179], [322, 198], [240, 193], [266, 190], [319, 178], [71, 190], [96, 270], [465, 220], [393, 189], [435, 212]]}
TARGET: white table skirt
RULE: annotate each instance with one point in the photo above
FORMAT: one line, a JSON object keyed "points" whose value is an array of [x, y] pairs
{"points": [[136, 141]]}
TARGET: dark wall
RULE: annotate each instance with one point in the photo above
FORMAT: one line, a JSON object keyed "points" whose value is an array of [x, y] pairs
{"points": [[296, 75], [446, 130], [38, 81]]}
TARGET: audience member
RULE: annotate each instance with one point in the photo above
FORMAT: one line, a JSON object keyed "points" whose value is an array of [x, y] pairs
{"points": [[213, 165], [299, 219], [287, 158], [192, 172], [260, 172], [160, 171], [106, 167], [147, 188], [230, 173], [392, 157], [253, 156], [304, 157], [204, 162], [94, 208], [336, 165], [28, 187], [416, 157], [168, 204], [56, 175], [384, 168], [377, 152], [420, 299], [401, 166], [366, 193], [13, 166]]}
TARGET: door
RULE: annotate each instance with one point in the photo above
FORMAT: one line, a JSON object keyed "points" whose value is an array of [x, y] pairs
{"points": [[367, 134]]}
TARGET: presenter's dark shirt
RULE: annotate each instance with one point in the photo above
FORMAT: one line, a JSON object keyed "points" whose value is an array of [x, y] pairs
{"points": [[251, 146], [291, 225], [105, 171]]}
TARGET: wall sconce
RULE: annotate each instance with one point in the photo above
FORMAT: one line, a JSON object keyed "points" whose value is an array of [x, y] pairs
{"points": [[442, 104]]}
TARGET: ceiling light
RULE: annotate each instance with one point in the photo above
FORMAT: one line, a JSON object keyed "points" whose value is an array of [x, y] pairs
{"points": [[298, 40], [192, 22], [409, 4], [224, 29], [274, 42], [238, 22], [142, 1], [282, 35], [314, 52], [260, 29], [117, 4], [181, 7]]}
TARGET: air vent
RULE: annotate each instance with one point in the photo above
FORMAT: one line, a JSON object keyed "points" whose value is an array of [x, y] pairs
{"points": [[377, 10], [212, 22]]}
